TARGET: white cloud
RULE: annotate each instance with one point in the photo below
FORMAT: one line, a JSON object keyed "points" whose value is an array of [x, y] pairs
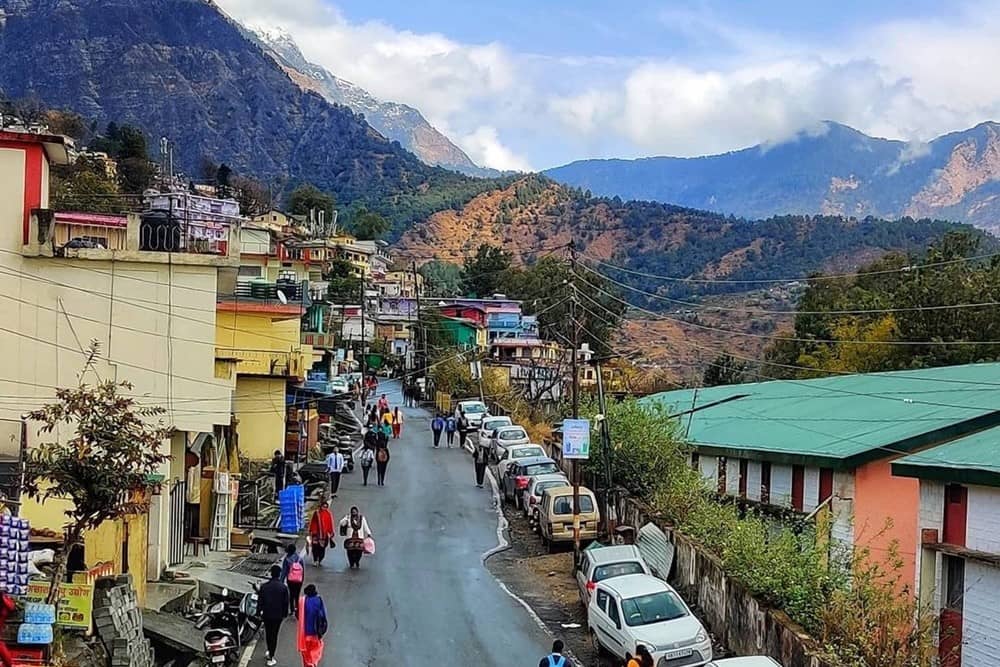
{"points": [[908, 79], [484, 147]]}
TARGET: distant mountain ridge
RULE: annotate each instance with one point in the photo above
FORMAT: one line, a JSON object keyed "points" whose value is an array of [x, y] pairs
{"points": [[395, 121], [835, 171]]}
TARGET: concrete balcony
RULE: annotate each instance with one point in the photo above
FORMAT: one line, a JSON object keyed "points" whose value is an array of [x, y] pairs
{"points": [[128, 238], [326, 341], [265, 363]]}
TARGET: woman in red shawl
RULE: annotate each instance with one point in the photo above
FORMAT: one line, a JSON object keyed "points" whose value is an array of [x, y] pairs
{"points": [[321, 532]]}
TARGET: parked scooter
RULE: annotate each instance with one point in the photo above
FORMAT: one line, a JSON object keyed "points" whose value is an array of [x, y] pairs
{"points": [[230, 627]]}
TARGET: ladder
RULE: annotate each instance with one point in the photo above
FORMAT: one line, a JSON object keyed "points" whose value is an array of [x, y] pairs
{"points": [[220, 523]]}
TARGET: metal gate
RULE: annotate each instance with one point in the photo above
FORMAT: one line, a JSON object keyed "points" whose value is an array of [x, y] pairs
{"points": [[178, 520]]}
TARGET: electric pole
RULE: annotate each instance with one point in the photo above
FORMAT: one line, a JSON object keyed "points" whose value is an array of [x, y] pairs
{"points": [[421, 363], [364, 358], [576, 410], [606, 446]]}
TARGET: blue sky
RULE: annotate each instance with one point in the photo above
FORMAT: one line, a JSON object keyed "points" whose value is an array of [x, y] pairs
{"points": [[529, 85]]}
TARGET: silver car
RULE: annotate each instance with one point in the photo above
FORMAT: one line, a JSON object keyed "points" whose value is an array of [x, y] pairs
{"points": [[507, 436]]}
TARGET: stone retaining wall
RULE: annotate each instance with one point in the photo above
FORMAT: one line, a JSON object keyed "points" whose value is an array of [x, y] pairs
{"points": [[731, 613]]}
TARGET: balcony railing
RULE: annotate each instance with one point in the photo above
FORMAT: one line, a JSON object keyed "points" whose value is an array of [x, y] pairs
{"points": [[326, 341], [148, 238], [271, 363]]}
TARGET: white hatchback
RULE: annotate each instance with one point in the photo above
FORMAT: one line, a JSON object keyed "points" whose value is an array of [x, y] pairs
{"points": [[507, 436], [517, 452], [639, 609], [489, 425], [602, 563]]}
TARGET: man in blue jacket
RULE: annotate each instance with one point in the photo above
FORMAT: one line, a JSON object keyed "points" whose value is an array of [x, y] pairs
{"points": [[273, 602], [437, 425]]}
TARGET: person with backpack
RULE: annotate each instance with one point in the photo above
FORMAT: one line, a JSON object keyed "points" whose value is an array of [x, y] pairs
{"points": [[381, 463], [480, 457], [556, 658], [274, 605], [463, 428], [450, 426], [313, 624], [367, 461], [437, 426], [293, 573]]}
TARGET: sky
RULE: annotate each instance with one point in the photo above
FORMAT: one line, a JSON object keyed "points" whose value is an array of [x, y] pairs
{"points": [[530, 85]]}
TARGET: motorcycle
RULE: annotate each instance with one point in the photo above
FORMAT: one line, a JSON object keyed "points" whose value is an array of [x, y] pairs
{"points": [[230, 626]]}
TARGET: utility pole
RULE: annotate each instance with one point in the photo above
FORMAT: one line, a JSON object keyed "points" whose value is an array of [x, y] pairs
{"points": [[364, 358], [606, 446], [421, 362], [576, 413]]}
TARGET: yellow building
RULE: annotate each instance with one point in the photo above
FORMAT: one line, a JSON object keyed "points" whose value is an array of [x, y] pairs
{"points": [[153, 313], [260, 334]]}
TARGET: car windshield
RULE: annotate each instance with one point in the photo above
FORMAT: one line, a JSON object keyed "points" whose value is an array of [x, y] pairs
{"points": [[516, 434], [564, 504], [540, 469], [491, 424], [612, 570], [473, 408], [541, 486], [652, 608], [525, 452]]}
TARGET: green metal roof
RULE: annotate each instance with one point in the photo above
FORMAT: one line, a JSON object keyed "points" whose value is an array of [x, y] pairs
{"points": [[839, 421], [973, 459]]}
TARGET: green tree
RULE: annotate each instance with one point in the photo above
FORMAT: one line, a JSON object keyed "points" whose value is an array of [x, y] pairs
{"points": [[442, 278], [486, 272], [368, 226], [344, 287], [253, 196], [105, 461], [85, 185], [308, 197]]}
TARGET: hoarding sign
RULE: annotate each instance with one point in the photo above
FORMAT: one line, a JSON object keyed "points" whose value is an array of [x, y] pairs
{"points": [[576, 439]]}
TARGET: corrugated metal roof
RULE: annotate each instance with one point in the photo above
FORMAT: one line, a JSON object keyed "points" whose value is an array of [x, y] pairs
{"points": [[840, 418], [973, 458]]}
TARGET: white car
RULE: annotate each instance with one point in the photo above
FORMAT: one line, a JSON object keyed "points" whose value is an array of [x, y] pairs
{"points": [[517, 452], [746, 661], [507, 436], [602, 563], [490, 424], [474, 409], [532, 494], [639, 609]]}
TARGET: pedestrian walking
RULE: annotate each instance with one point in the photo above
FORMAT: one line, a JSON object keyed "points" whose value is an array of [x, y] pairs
{"points": [[321, 532], [437, 426], [556, 658], [334, 468], [274, 605], [480, 457], [313, 624], [293, 574], [367, 461], [450, 426], [278, 469], [463, 428], [382, 457], [383, 403], [397, 423], [358, 538]]}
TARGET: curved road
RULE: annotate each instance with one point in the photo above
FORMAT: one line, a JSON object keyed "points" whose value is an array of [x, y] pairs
{"points": [[425, 598]]}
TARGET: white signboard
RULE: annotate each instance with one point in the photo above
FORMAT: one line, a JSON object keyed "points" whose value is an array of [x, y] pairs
{"points": [[576, 439]]}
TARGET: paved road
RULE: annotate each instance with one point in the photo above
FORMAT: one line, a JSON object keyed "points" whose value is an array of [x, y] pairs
{"points": [[424, 599]]}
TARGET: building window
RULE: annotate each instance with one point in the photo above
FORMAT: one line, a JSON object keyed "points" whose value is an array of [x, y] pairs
{"points": [[744, 471], [249, 272], [765, 482], [825, 485], [695, 460], [956, 498]]}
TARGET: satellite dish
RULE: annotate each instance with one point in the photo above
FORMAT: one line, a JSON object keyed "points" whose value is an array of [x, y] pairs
{"points": [[282, 298]]}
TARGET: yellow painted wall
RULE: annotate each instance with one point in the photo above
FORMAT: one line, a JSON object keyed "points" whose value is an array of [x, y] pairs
{"points": [[260, 409]]}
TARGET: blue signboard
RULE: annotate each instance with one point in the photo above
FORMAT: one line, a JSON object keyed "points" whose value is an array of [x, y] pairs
{"points": [[576, 438]]}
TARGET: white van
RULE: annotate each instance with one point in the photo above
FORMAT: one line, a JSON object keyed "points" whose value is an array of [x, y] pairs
{"points": [[639, 609]]}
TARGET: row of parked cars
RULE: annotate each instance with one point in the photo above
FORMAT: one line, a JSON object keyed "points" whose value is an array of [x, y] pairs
{"points": [[628, 606]]}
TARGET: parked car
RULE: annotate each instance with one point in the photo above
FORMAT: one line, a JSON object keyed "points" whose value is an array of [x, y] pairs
{"points": [[746, 661], [532, 493], [518, 474], [490, 424], [507, 436], [338, 385], [517, 452], [555, 515], [639, 609], [603, 563], [474, 409]]}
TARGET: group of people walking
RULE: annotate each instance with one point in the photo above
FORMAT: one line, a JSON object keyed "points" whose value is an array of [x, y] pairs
{"points": [[449, 425], [286, 593]]}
